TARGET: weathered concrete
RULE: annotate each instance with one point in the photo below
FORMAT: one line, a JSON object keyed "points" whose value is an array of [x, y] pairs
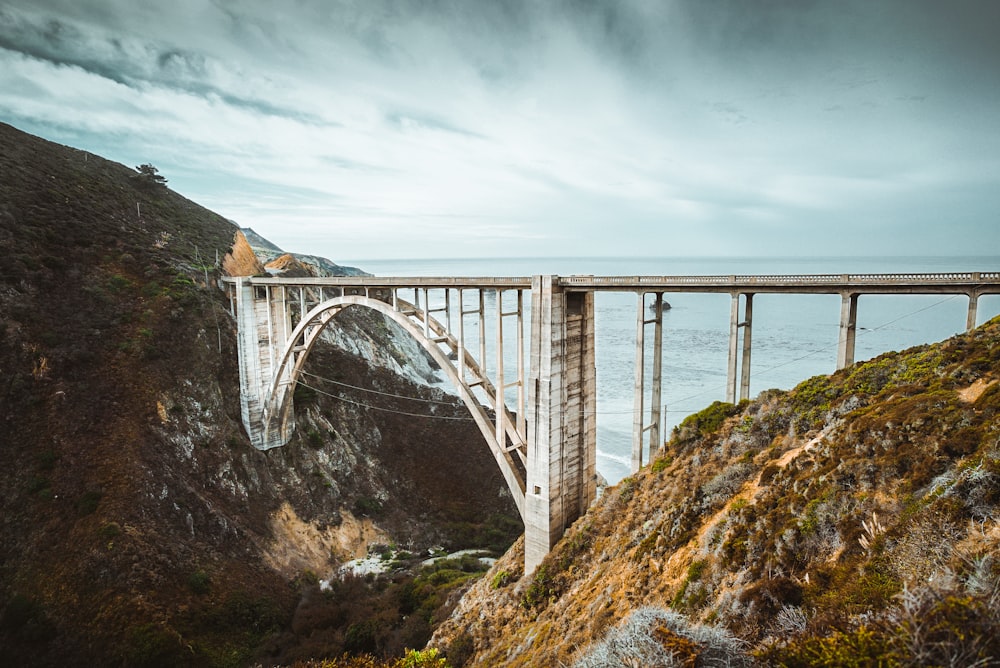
{"points": [[264, 324], [848, 329], [639, 426], [562, 437], [545, 447], [738, 369], [970, 318]]}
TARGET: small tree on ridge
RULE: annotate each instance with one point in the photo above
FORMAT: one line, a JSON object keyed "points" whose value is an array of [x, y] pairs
{"points": [[150, 174]]}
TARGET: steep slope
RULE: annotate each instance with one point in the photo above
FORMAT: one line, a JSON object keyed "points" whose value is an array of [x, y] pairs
{"points": [[137, 525], [850, 521], [276, 259]]}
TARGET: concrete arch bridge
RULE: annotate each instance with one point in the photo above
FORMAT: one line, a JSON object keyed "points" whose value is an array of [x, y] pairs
{"points": [[537, 418]]}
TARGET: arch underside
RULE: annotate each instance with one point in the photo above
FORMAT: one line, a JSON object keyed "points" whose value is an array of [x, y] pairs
{"points": [[505, 442]]}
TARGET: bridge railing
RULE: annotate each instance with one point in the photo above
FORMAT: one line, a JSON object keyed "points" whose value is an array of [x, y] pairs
{"points": [[960, 281]]}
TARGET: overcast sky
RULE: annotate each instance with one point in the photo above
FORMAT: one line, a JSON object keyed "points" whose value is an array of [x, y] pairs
{"points": [[450, 128]]}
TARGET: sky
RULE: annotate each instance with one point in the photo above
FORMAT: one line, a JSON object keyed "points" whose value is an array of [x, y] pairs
{"points": [[448, 128]]}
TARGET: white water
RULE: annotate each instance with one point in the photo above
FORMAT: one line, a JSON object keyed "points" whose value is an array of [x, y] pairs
{"points": [[794, 336]]}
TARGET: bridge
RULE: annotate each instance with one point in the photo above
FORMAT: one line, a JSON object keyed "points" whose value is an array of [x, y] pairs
{"points": [[544, 437]]}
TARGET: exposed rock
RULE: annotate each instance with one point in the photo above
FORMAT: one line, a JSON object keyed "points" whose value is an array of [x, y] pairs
{"points": [[241, 260]]}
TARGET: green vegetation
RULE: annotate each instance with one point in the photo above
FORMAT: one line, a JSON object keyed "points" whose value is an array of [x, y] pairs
{"points": [[366, 507], [428, 658], [661, 463], [378, 616], [199, 582], [150, 175], [694, 573], [705, 421]]}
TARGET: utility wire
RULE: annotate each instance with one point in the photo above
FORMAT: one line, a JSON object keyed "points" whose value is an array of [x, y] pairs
{"points": [[381, 408], [625, 412], [384, 394]]}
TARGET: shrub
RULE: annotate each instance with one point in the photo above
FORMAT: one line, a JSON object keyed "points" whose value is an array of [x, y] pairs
{"points": [[860, 648], [705, 421], [314, 438], [149, 646], [657, 638], [366, 507], [661, 463], [25, 619], [88, 502], [501, 579], [199, 582]]}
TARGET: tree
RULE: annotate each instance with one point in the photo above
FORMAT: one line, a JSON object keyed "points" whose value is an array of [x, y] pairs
{"points": [[150, 174]]}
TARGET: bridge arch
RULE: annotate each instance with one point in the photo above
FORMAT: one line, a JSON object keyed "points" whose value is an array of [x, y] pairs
{"points": [[511, 458]]}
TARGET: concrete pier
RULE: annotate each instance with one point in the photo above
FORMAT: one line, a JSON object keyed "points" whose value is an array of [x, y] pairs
{"points": [[546, 445], [739, 366], [848, 329], [562, 403]]}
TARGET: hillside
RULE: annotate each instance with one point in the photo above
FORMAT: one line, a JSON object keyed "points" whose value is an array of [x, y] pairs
{"points": [[276, 260], [137, 525], [852, 521]]}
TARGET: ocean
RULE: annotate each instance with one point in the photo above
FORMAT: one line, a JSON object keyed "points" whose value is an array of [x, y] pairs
{"points": [[794, 336]]}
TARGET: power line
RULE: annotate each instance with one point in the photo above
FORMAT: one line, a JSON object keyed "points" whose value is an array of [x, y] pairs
{"points": [[625, 412], [381, 408], [384, 394]]}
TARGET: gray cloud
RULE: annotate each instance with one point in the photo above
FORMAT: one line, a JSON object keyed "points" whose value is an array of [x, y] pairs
{"points": [[782, 126]]}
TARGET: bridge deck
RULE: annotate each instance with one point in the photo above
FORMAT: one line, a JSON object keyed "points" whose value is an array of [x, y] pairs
{"points": [[987, 282], [553, 476]]}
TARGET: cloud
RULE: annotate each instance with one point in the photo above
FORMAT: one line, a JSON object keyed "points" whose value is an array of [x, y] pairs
{"points": [[569, 127]]}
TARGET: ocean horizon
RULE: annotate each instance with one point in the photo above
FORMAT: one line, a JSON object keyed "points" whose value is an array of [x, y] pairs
{"points": [[794, 336]]}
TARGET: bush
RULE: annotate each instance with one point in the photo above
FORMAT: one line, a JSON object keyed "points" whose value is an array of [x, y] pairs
{"points": [[656, 638], [88, 502], [852, 649], [661, 463], [705, 421], [199, 582], [149, 646], [366, 507]]}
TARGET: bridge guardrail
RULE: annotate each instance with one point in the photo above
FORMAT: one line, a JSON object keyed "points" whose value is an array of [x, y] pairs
{"points": [[982, 282]]}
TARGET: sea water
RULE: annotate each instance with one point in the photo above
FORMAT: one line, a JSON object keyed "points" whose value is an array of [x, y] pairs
{"points": [[794, 336]]}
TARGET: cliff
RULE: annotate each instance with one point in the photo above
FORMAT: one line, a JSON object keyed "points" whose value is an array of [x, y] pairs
{"points": [[241, 260], [852, 521], [277, 260], [137, 524]]}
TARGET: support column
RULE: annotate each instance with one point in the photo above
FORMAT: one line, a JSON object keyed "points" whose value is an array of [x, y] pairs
{"points": [[562, 435], [498, 408], [655, 419], [848, 329], [638, 407], [261, 319], [734, 333], [249, 356], [747, 332], [970, 319], [639, 428]]}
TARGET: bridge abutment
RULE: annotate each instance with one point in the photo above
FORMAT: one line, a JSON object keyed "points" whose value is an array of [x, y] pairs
{"points": [[562, 402], [264, 324]]}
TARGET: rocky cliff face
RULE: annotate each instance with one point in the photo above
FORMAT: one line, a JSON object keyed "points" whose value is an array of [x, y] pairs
{"points": [[854, 520], [137, 524], [241, 260], [277, 260]]}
